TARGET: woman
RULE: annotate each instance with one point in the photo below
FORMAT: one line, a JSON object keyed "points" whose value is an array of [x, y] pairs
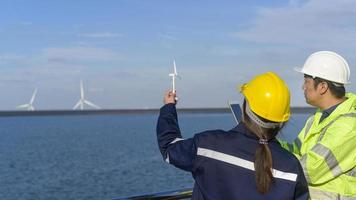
{"points": [[246, 162]]}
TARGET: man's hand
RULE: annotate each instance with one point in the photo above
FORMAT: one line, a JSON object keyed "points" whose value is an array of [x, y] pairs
{"points": [[169, 97]]}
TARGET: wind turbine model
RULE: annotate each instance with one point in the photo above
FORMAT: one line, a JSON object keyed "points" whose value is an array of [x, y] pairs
{"points": [[83, 101], [174, 75], [29, 106]]}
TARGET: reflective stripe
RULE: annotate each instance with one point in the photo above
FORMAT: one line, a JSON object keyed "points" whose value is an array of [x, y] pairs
{"points": [[303, 163], [242, 163], [322, 133], [349, 115], [352, 172], [329, 157], [308, 126], [167, 159], [319, 194], [176, 140]]}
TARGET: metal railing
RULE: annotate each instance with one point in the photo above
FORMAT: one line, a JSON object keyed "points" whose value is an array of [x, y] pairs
{"points": [[169, 195]]}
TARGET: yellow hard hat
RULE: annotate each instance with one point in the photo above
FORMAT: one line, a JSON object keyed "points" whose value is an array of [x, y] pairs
{"points": [[268, 96]]}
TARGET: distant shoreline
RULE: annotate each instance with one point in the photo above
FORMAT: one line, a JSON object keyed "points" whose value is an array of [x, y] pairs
{"points": [[129, 111]]}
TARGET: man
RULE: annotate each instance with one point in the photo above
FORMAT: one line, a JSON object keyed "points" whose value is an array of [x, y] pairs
{"points": [[326, 146]]}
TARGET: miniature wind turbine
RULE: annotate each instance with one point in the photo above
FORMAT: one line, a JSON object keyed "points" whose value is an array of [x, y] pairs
{"points": [[29, 106], [82, 101], [174, 75]]}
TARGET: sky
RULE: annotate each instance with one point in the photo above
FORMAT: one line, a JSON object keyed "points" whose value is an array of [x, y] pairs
{"points": [[123, 50]]}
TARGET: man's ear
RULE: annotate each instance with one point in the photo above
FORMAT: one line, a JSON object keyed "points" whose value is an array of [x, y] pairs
{"points": [[323, 88]]}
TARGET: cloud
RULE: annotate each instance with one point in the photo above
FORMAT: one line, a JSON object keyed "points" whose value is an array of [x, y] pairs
{"points": [[11, 58], [283, 37], [80, 54], [308, 23], [103, 35]]}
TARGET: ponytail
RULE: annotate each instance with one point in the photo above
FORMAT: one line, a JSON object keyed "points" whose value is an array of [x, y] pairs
{"points": [[263, 156], [263, 167]]}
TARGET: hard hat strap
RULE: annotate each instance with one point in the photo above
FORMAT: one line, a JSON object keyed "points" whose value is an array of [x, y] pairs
{"points": [[258, 121]]}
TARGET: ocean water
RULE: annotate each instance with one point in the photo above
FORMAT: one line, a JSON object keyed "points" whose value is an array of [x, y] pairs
{"points": [[96, 156]]}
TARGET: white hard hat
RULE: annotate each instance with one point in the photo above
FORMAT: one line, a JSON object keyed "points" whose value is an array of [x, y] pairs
{"points": [[327, 65]]}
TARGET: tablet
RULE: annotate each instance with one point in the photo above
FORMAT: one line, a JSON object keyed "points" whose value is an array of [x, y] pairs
{"points": [[236, 111]]}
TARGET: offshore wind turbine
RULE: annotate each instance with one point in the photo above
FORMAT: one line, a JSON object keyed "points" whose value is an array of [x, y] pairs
{"points": [[29, 106], [82, 101]]}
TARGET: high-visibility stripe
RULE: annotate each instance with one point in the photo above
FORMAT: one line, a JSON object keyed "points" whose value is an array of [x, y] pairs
{"points": [[167, 159], [329, 158], [174, 141], [320, 194], [303, 162], [352, 172], [322, 133], [309, 125], [242, 163]]}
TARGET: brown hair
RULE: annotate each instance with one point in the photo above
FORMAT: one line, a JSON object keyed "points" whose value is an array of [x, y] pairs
{"points": [[263, 156]]}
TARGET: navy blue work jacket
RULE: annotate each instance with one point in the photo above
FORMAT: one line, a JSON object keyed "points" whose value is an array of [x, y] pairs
{"points": [[222, 162]]}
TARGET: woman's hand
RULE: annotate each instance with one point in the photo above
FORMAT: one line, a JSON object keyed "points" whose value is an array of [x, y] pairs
{"points": [[169, 97]]}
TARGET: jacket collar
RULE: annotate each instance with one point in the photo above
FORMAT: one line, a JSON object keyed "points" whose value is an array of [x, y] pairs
{"points": [[241, 128], [347, 106]]}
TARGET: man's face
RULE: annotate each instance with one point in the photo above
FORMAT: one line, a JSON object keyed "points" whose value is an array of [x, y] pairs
{"points": [[310, 92]]}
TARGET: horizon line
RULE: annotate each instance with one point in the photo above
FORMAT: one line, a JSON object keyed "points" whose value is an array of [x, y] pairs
{"points": [[5, 113]]}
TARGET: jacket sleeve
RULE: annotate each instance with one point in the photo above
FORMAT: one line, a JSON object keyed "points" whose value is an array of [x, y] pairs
{"points": [[295, 146], [333, 155], [174, 149], [301, 189], [291, 147]]}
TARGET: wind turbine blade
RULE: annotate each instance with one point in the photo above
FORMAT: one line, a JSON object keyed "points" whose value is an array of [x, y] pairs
{"points": [[81, 90], [175, 68], [91, 104], [22, 106], [77, 105], [33, 96]]}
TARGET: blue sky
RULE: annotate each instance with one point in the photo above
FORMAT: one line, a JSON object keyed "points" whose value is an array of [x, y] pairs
{"points": [[123, 50]]}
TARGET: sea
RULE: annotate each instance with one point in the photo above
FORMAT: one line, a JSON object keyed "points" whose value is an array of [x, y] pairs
{"points": [[99, 157]]}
